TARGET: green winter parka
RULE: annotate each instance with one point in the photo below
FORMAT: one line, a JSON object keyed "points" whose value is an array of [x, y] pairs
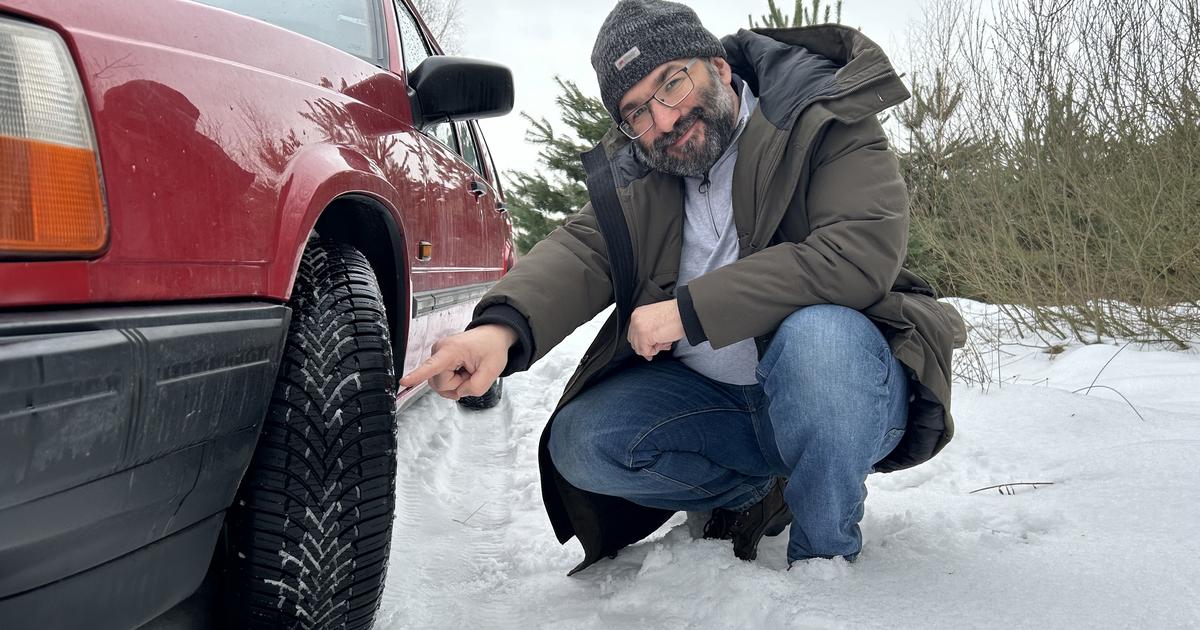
{"points": [[822, 217]]}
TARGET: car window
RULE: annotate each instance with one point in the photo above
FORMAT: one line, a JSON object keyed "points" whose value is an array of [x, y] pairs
{"points": [[470, 153], [443, 132], [411, 41], [350, 25], [485, 154]]}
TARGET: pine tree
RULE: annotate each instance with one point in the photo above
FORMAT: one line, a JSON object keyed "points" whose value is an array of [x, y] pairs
{"points": [[541, 200], [939, 154], [800, 17]]}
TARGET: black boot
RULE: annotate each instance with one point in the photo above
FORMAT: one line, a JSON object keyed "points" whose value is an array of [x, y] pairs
{"points": [[717, 527], [769, 517]]}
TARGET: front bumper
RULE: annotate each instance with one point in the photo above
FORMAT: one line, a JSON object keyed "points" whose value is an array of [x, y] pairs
{"points": [[124, 433]]}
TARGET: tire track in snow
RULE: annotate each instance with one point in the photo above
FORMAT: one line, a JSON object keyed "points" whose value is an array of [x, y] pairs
{"points": [[453, 497]]}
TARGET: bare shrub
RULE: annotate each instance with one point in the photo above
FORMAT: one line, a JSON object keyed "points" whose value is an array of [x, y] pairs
{"points": [[1053, 154]]}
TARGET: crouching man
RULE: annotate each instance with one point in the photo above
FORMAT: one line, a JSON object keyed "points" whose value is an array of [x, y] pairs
{"points": [[778, 352]]}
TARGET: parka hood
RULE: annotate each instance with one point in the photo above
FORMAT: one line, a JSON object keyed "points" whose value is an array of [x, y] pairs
{"points": [[791, 68]]}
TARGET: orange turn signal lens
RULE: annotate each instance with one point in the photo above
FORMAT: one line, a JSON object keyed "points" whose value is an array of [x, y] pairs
{"points": [[50, 199]]}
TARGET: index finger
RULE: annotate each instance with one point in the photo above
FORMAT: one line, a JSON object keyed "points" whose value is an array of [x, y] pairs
{"points": [[441, 361]]}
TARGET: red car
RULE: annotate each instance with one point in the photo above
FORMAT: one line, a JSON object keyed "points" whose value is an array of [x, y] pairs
{"points": [[225, 227]]}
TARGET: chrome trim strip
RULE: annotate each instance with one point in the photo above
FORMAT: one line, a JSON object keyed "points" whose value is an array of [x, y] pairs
{"points": [[427, 302], [455, 269]]}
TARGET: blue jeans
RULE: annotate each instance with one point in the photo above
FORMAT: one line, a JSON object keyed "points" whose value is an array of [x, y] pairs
{"points": [[830, 402]]}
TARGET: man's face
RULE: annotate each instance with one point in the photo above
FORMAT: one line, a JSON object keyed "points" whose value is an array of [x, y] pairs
{"points": [[686, 139]]}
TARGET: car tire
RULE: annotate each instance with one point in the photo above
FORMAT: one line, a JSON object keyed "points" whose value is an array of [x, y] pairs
{"points": [[307, 538], [487, 400]]}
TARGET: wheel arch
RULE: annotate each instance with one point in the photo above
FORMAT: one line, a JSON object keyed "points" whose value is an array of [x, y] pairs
{"points": [[366, 224], [332, 191]]}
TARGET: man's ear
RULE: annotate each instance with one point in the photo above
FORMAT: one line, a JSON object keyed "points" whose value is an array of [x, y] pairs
{"points": [[724, 70]]}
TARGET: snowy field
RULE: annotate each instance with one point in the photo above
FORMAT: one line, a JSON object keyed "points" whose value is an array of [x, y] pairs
{"points": [[1114, 542]]}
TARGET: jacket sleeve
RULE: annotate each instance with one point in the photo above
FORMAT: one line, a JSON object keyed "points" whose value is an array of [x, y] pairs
{"points": [[560, 284], [858, 214]]}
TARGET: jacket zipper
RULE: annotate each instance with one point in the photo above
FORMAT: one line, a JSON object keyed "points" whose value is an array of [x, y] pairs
{"points": [[703, 188]]}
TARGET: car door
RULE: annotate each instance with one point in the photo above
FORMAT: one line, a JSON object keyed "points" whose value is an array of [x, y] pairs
{"points": [[451, 182], [446, 283], [487, 200], [497, 224]]}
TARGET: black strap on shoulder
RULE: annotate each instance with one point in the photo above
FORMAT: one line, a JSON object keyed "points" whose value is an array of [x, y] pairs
{"points": [[591, 514], [603, 191]]}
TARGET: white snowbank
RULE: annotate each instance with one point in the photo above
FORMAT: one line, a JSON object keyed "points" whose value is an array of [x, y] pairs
{"points": [[1112, 543]]}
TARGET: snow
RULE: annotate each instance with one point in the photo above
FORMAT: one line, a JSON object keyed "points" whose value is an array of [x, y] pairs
{"points": [[1113, 541]]}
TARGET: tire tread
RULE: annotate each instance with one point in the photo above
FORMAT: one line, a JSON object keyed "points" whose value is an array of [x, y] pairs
{"points": [[310, 531]]}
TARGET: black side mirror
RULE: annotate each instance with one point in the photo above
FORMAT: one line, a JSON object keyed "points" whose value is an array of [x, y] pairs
{"points": [[458, 88]]}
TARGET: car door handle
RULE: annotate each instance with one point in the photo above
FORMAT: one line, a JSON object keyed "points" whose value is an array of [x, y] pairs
{"points": [[477, 188]]}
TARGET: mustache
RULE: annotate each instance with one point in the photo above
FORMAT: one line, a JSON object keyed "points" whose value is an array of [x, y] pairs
{"points": [[682, 126]]}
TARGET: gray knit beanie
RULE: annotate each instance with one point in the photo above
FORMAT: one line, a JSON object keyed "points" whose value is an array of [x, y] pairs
{"points": [[640, 35]]}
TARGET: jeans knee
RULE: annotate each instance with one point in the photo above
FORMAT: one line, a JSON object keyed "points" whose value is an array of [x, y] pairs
{"points": [[822, 340], [575, 451], [825, 324], [563, 445]]}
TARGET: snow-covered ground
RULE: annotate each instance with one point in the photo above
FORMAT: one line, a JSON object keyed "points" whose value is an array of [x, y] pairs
{"points": [[1114, 542]]}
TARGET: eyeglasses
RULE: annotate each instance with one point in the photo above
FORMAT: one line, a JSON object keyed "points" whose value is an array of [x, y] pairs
{"points": [[672, 91]]}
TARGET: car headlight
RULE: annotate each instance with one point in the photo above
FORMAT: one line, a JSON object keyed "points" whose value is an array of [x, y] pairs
{"points": [[51, 199]]}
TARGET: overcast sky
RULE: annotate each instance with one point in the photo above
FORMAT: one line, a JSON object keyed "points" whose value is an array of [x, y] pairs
{"points": [[539, 39]]}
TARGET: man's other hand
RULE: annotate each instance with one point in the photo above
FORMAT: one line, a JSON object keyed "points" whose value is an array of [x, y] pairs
{"points": [[654, 327], [465, 364]]}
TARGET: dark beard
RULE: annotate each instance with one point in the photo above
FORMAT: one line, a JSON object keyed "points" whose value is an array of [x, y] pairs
{"points": [[716, 111]]}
